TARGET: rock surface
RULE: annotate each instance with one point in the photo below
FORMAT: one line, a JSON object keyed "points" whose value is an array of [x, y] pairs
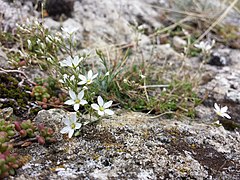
{"points": [[134, 145]]}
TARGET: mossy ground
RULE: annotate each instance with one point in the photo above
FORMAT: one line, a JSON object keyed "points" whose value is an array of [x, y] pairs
{"points": [[15, 94]]}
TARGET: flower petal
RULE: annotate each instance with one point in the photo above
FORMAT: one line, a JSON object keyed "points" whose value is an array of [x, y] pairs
{"points": [[72, 78], [63, 63], [70, 133], [82, 77], [109, 112], [95, 106], [224, 109], [101, 113], [100, 101], [76, 61], [66, 121], [76, 107], [68, 61], [82, 82], [65, 130], [80, 95], [107, 104], [83, 102], [78, 125], [72, 94], [216, 107], [73, 118], [227, 116], [90, 73], [69, 102], [65, 76], [94, 76]]}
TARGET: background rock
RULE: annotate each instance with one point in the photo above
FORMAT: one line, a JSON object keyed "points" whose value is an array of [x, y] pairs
{"points": [[130, 146]]}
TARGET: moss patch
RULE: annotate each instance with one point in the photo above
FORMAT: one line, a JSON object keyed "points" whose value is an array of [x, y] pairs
{"points": [[15, 94]]}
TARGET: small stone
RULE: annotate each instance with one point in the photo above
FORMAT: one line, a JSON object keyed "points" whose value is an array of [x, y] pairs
{"points": [[164, 139], [51, 24], [3, 60], [178, 42], [56, 8], [233, 95], [219, 58]]}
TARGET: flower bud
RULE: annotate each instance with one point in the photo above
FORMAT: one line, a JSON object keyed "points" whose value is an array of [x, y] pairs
{"points": [[30, 132], [50, 131], [15, 166], [44, 100], [41, 140], [11, 171], [24, 125], [11, 133], [44, 106], [40, 127], [23, 133]]}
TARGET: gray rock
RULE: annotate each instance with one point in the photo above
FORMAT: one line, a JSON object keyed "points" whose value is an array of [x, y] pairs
{"points": [[14, 13], [51, 24], [114, 21], [52, 118], [196, 150], [178, 42], [220, 58], [3, 60], [233, 95]]}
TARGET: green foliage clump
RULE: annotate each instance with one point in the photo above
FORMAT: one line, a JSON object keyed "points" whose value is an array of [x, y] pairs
{"points": [[8, 160], [28, 129], [48, 92], [11, 132], [14, 94], [129, 87]]}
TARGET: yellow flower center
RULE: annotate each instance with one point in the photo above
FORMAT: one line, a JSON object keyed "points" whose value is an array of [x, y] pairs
{"points": [[101, 108], [89, 81], [77, 101], [73, 126]]}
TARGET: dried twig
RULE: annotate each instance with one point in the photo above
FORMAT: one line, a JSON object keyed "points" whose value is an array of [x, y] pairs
{"points": [[217, 21], [5, 71], [169, 112], [154, 86]]}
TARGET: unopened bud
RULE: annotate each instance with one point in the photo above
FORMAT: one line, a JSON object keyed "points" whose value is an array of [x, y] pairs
{"points": [[41, 140], [40, 127], [23, 133]]}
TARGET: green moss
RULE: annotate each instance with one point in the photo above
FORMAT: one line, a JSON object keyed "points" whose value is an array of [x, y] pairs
{"points": [[14, 95]]}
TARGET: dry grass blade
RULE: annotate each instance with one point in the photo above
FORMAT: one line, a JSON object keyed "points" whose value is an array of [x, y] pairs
{"points": [[217, 21]]}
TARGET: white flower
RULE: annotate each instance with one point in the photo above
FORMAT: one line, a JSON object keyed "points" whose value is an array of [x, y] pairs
{"points": [[38, 41], [71, 125], [102, 107], [49, 39], [29, 44], [205, 46], [125, 80], [107, 74], [88, 79], [76, 100], [57, 39], [71, 62], [42, 45], [221, 111], [65, 77], [142, 76]]}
